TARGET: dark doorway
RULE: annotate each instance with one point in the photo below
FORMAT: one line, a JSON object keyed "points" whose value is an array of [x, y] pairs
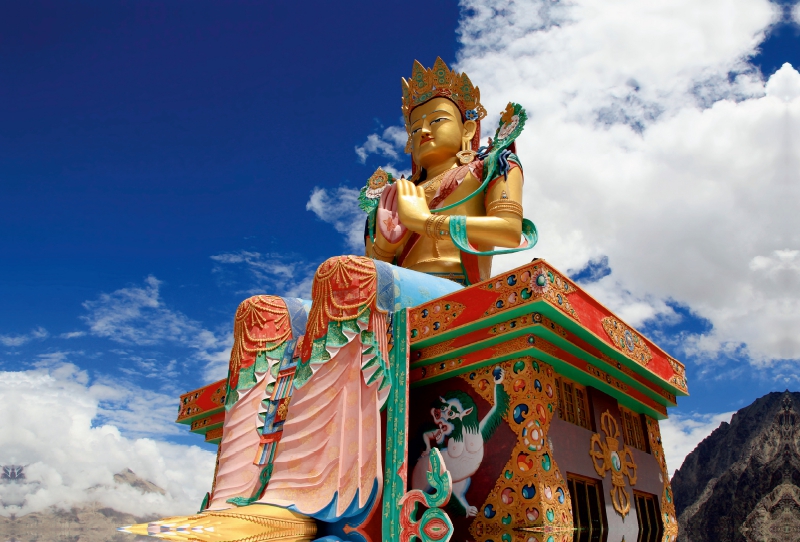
{"points": [[588, 509], [651, 528]]}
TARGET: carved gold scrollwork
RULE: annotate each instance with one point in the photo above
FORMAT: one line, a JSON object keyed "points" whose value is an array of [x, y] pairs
{"points": [[627, 341], [606, 456]]}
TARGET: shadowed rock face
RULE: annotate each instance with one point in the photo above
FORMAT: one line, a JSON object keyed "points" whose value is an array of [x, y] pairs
{"points": [[742, 482]]}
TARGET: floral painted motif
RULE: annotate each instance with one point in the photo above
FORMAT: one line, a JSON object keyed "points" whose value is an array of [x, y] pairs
{"points": [[511, 123], [371, 193], [370, 196]]}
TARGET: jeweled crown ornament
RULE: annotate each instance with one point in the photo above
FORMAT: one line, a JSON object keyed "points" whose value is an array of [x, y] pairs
{"points": [[441, 81]]}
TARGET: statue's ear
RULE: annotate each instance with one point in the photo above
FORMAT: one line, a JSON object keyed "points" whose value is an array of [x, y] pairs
{"points": [[466, 412], [442, 399], [470, 126]]}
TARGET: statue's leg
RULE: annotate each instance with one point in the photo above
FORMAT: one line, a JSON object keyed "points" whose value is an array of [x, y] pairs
{"points": [[327, 464], [264, 327]]}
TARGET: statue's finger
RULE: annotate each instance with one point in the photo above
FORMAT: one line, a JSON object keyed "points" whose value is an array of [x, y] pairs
{"points": [[402, 189]]}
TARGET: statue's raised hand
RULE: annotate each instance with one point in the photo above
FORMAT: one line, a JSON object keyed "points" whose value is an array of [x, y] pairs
{"points": [[388, 217], [412, 205]]}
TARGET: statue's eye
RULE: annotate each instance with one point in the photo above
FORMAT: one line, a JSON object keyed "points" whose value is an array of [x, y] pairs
{"points": [[438, 120], [415, 131]]}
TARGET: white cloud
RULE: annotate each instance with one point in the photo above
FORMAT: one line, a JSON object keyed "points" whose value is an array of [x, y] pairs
{"points": [[276, 274], [391, 144], [72, 335], [784, 83], [136, 315], [73, 435], [53, 358], [396, 171], [681, 434], [654, 142], [18, 340], [340, 208]]}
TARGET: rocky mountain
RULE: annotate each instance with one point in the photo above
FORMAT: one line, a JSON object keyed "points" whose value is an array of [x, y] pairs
{"points": [[129, 477], [90, 522], [742, 483]]}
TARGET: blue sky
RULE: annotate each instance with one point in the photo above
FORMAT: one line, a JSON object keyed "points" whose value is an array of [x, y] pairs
{"points": [[160, 161]]}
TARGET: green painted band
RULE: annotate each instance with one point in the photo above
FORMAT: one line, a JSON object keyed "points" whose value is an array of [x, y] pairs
{"points": [[458, 233]]}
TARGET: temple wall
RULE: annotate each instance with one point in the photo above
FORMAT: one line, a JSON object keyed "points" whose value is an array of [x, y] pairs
{"points": [[571, 444]]}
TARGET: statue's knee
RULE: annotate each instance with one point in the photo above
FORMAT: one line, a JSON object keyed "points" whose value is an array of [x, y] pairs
{"points": [[347, 263], [256, 302]]}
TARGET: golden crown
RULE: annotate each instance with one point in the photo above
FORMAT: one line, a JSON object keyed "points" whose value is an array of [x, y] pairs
{"points": [[440, 81]]}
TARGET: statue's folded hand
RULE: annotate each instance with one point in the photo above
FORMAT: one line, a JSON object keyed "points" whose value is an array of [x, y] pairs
{"points": [[388, 217]]}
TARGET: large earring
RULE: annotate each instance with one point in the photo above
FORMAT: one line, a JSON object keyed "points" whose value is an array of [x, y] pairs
{"points": [[466, 154]]}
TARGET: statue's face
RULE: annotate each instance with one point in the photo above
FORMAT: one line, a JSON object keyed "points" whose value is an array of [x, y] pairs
{"points": [[436, 132]]}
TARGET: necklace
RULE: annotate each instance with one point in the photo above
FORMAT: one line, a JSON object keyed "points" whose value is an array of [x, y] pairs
{"points": [[429, 186]]}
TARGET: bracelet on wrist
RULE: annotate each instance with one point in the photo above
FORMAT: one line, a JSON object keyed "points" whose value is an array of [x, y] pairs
{"points": [[379, 252]]}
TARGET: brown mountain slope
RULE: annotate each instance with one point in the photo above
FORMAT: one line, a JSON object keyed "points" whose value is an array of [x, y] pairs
{"points": [[743, 481]]}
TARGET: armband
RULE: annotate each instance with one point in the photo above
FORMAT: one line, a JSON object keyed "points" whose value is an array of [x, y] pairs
{"points": [[504, 206]]}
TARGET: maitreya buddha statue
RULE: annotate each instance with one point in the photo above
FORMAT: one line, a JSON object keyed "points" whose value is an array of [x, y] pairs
{"points": [[315, 452]]}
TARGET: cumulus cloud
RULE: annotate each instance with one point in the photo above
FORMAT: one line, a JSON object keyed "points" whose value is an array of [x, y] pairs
{"points": [[73, 434], [390, 143], [340, 209], [276, 274], [682, 433], [13, 340], [652, 142], [784, 84], [136, 315]]}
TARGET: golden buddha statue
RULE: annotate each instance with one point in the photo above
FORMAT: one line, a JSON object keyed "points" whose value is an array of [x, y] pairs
{"points": [[442, 113], [302, 438]]}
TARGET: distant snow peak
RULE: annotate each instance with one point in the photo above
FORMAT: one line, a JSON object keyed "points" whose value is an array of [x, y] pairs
{"points": [[129, 477]]}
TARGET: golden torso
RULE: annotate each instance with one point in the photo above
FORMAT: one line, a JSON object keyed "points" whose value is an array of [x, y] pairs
{"points": [[442, 256]]}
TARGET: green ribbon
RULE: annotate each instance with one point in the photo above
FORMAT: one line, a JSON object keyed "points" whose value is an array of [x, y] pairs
{"points": [[458, 233]]}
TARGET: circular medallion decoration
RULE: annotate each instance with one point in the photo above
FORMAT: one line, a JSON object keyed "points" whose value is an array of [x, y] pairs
{"points": [[546, 463], [528, 491], [629, 340], [615, 462]]}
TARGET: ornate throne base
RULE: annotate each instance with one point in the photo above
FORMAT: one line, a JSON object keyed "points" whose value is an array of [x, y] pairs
{"points": [[541, 367]]}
